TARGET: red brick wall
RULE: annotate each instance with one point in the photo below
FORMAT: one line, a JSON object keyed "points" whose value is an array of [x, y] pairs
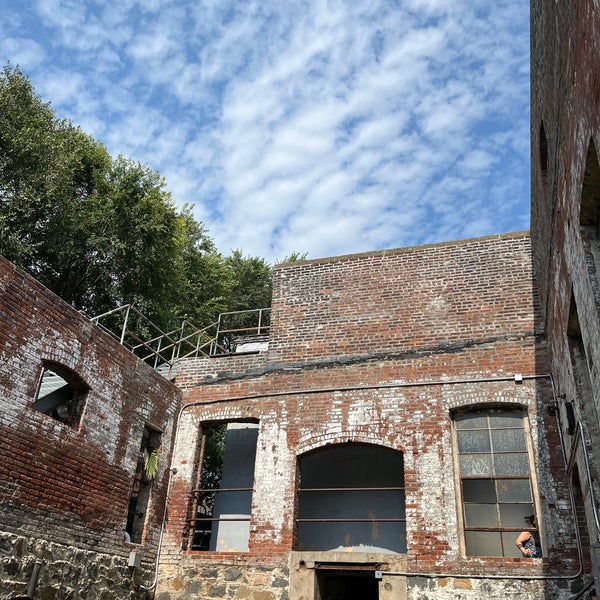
{"points": [[380, 348], [565, 96], [409, 299], [72, 485]]}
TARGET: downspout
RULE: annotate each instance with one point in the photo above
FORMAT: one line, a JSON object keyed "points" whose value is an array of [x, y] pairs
{"points": [[35, 574], [308, 391]]}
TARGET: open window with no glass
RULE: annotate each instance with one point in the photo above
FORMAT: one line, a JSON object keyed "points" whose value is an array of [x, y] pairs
{"points": [[222, 498], [61, 394], [145, 473]]}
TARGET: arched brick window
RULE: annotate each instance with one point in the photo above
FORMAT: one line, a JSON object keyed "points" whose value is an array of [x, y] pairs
{"points": [[351, 496], [61, 394]]}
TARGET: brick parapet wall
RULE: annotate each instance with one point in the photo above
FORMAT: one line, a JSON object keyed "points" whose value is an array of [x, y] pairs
{"points": [[410, 298]]}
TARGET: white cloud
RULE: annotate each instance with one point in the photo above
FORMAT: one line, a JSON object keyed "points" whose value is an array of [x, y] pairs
{"points": [[319, 127]]}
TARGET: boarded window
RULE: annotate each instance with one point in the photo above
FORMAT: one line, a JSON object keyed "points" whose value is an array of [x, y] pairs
{"points": [[352, 496], [495, 480], [222, 499], [61, 394]]}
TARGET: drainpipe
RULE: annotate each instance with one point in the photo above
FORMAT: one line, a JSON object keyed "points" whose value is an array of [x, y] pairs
{"points": [[35, 573]]}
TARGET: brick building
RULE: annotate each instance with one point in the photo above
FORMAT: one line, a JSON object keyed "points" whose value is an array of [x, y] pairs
{"points": [[408, 411], [77, 409], [355, 459], [565, 137]]}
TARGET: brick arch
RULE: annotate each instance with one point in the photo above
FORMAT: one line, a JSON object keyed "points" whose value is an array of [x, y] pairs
{"points": [[315, 442], [222, 412], [492, 403]]}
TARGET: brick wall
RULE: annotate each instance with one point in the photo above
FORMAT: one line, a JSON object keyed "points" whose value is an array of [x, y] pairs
{"points": [[565, 97], [380, 348], [68, 488]]}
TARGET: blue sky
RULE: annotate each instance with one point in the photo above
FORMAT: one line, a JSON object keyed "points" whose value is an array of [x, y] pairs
{"points": [[320, 126]]}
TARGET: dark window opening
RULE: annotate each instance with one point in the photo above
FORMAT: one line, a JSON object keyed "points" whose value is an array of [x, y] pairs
{"points": [[543, 150], [495, 480], [145, 472], [351, 496], [347, 585], [222, 498], [590, 194], [584, 404], [61, 394]]}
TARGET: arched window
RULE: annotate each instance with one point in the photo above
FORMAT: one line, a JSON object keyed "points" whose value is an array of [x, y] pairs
{"points": [[351, 496], [61, 394], [495, 480]]}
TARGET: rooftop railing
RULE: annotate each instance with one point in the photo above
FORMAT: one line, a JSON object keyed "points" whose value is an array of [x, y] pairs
{"points": [[162, 350]]}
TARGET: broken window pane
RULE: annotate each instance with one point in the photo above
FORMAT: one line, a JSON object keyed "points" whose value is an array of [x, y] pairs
{"points": [[479, 490]]}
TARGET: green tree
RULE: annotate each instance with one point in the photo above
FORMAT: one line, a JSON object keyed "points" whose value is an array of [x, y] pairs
{"points": [[103, 232]]}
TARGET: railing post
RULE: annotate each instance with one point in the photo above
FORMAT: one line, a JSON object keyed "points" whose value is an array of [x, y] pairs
{"points": [[125, 324]]}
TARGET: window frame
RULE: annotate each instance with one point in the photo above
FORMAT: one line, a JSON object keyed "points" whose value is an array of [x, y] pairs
{"points": [[193, 521], [325, 514], [508, 533]]}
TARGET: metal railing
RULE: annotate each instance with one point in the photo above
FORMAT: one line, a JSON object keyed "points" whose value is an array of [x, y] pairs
{"points": [[161, 349]]}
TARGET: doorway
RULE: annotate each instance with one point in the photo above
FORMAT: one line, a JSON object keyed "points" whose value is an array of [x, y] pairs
{"points": [[347, 585]]}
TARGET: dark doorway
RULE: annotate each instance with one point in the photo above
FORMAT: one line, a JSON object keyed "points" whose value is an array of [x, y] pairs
{"points": [[347, 585]]}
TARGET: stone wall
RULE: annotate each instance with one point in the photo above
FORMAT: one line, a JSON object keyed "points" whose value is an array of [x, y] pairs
{"points": [[65, 489]]}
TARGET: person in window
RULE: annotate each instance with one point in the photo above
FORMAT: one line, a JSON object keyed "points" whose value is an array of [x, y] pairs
{"points": [[526, 542]]}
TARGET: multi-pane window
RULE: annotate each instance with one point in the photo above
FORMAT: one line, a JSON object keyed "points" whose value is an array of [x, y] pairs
{"points": [[495, 480], [222, 498]]}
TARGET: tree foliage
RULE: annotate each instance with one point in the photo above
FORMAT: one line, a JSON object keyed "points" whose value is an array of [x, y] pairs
{"points": [[101, 231]]}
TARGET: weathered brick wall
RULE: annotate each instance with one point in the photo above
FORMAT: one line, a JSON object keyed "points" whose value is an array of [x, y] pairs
{"points": [[64, 486], [407, 299], [565, 73], [379, 349]]}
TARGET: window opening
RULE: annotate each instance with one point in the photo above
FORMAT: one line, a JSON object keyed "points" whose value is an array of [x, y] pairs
{"points": [[61, 394], [352, 496], [543, 151], [589, 214], [145, 472], [495, 480], [222, 500], [581, 371]]}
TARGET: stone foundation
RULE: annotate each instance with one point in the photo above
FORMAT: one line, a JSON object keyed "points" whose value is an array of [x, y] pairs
{"points": [[67, 572], [223, 581]]}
